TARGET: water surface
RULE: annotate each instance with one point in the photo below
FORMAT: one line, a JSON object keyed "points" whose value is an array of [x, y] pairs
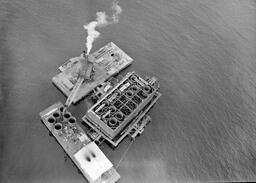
{"points": [[203, 53]]}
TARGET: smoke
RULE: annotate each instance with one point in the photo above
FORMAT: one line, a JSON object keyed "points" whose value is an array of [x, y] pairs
{"points": [[102, 20]]}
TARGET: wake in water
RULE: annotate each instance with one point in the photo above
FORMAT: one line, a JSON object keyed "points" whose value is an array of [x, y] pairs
{"points": [[102, 20]]}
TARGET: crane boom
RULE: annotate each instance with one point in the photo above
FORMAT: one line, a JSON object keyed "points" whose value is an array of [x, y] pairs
{"points": [[74, 92], [85, 73]]}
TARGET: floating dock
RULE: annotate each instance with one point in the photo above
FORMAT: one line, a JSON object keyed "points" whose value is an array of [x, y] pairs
{"points": [[107, 61]]}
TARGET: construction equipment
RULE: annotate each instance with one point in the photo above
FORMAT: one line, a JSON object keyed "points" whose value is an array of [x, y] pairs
{"points": [[84, 153], [85, 73], [102, 64], [118, 109]]}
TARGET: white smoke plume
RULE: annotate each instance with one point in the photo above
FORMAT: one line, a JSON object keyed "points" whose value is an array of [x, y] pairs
{"points": [[102, 20]]}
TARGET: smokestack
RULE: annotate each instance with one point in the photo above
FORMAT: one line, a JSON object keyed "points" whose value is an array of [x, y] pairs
{"points": [[102, 20]]}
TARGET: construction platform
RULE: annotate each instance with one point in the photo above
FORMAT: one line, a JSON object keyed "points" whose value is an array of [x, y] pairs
{"points": [[107, 61], [121, 111], [85, 154]]}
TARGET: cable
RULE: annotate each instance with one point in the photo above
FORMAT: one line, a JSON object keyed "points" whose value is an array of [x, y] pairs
{"points": [[124, 154]]}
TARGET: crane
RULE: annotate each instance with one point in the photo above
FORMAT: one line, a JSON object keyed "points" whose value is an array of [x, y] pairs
{"points": [[85, 73]]}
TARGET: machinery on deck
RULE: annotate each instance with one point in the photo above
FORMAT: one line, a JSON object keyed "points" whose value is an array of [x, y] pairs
{"points": [[121, 110], [104, 63], [84, 153], [85, 74]]}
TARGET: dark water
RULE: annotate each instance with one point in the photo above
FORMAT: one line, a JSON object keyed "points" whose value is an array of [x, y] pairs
{"points": [[204, 54]]}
